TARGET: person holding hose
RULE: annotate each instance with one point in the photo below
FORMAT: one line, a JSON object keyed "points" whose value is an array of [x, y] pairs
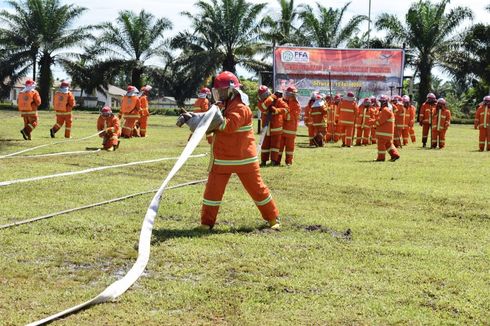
{"points": [[28, 101], [108, 124]]}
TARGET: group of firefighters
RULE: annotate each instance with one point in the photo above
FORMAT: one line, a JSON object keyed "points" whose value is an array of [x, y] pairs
{"points": [[134, 114]]}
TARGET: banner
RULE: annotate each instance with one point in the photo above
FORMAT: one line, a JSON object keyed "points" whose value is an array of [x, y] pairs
{"points": [[364, 72]]}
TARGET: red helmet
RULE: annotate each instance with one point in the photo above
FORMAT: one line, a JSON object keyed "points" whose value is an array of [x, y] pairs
{"points": [[291, 89], [319, 102], [384, 98], [205, 90], [131, 88], [406, 99], [226, 79], [486, 99], [313, 95], [64, 84], [146, 88], [396, 98], [29, 82], [106, 110], [264, 92], [337, 97], [441, 101], [350, 94], [366, 101], [431, 96]]}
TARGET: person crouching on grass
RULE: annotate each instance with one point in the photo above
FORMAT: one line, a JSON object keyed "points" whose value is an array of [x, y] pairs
{"points": [[108, 123]]}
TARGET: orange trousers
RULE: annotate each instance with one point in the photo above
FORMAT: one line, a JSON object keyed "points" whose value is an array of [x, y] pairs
{"points": [[401, 135], [347, 133], [484, 136], [438, 136], [386, 144], [60, 121], [109, 140], [318, 135], [363, 135], [330, 135], [311, 134], [270, 148], [425, 132], [143, 125], [287, 145], [411, 131], [252, 181], [30, 122], [373, 136], [337, 133], [127, 129]]}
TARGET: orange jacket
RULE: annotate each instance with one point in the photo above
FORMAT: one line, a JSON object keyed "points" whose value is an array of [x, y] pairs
{"points": [[348, 111], [291, 122], [201, 105], [145, 110], [273, 109], [385, 124], [402, 116], [307, 113], [28, 102], [411, 115], [234, 148], [365, 114], [318, 116], [482, 117], [330, 117], [441, 119], [425, 112], [130, 106], [109, 124], [63, 103], [336, 108]]}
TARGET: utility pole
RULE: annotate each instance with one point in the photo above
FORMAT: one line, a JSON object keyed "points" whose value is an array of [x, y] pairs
{"points": [[369, 26]]}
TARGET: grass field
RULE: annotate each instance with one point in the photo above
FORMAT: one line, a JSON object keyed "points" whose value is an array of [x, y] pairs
{"points": [[419, 252]]}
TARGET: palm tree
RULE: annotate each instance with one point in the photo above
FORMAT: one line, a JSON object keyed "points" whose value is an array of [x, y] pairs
{"points": [[325, 29], [40, 30], [134, 39], [279, 31], [226, 34], [429, 34]]}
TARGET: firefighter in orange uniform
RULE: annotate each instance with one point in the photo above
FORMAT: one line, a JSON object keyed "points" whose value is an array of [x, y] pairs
{"points": [[234, 151], [308, 120], [441, 119], [145, 110], [347, 118], [375, 105], [336, 113], [330, 120], [318, 113], [482, 122], [130, 111], [28, 101], [290, 125], [63, 102], [109, 124], [273, 110], [364, 116], [410, 109], [425, 116], [202, 105], [385, 126], [401, 122]]}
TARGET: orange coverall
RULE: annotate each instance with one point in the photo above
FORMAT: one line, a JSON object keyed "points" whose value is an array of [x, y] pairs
{"points": [[337, 128], [441, 119], [202, 105], [273, 110], [318, 115], [330, 120], [63, 105], [364, 116], [234, 151], [482, 122], [289, 128], [27, 103], [425, 115], [347, 118], [385, 126], [411, 122], [130, 112], [373, 129], [402, 117], [112, 130], [309, 123], [144, 114]]}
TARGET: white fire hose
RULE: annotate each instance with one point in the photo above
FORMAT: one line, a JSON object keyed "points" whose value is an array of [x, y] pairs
{"points": [[119, 287]]}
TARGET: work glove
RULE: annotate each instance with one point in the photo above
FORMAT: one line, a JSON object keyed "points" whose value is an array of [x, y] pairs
{"points": [[193, 119], [109, 130]]}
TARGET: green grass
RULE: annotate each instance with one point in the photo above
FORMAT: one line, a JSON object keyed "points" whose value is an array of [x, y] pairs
{"points": [[419, 254]]}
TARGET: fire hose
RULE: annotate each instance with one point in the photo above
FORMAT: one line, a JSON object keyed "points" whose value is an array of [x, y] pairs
{"points": [[119, 287], [45, 145]]}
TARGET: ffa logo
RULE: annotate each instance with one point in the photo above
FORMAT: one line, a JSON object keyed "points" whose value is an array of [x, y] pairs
{"points": [[295, 56]]}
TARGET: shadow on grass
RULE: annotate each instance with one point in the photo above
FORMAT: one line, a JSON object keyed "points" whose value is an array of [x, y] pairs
{"points": [[162, 235]]}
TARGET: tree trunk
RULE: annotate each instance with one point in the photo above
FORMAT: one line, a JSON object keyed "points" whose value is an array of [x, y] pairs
{"points": [[34, 63], [136, 80], [425, 68], [229, 63], [45, 80]]}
